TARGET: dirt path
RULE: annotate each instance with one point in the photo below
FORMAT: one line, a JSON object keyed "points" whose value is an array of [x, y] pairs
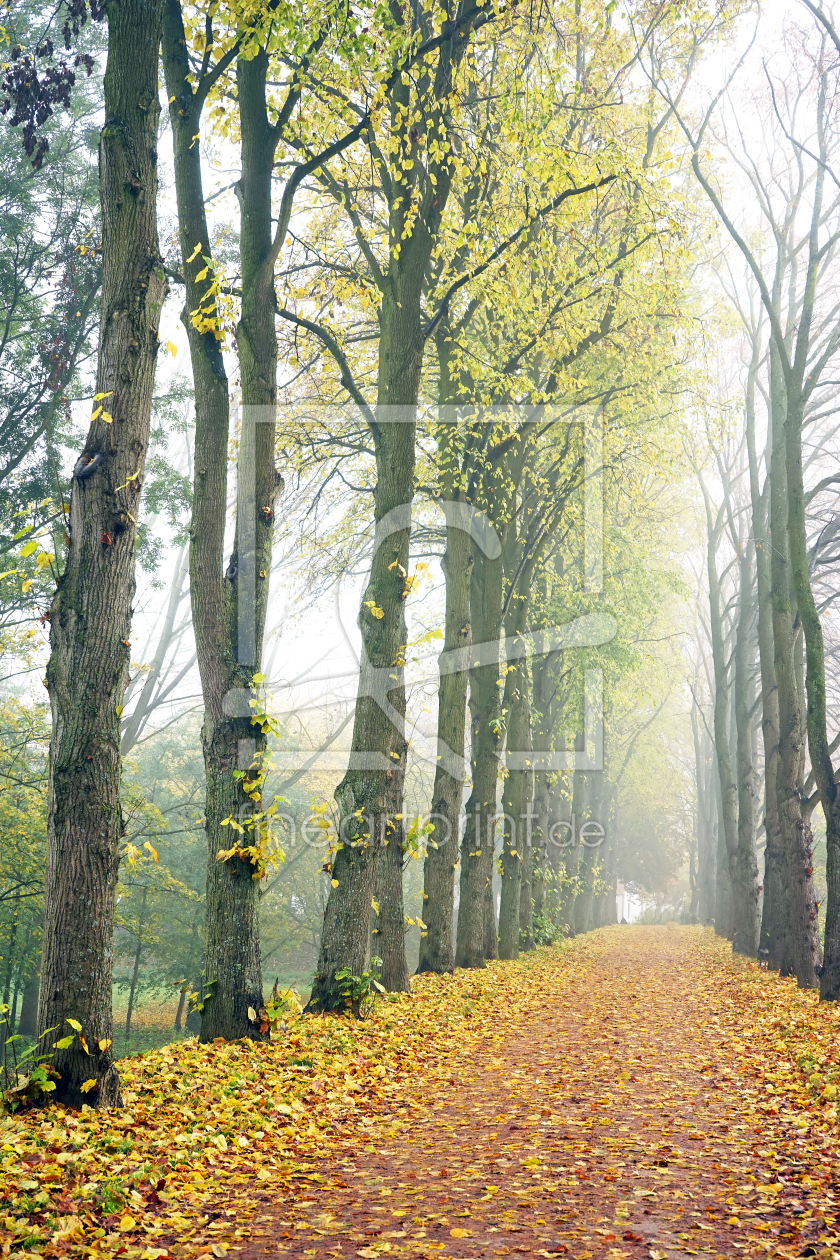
{"points": [[608, 1119]]}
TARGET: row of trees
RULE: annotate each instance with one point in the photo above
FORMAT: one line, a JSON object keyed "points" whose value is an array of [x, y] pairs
{"points": [[765, 643], [468, 223]]}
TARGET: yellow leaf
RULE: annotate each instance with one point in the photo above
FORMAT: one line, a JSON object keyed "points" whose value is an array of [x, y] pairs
{"points": [[172, 348], [252, 1014], [74, 1023], [87, 1086], [104, 1043], [127, 1224], [459, 1233], [84, 1044], [99, 397], [220, 1141], [119, 710], [195, 252], [334, 883], [147, 844], [43, 559], [202, 275]]}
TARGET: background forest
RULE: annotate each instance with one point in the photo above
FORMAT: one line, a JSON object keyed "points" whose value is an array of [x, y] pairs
{"points": [[471, 484]]}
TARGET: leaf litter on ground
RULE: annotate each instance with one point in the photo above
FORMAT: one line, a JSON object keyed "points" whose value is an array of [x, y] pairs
{"points": [[636, 1092]]}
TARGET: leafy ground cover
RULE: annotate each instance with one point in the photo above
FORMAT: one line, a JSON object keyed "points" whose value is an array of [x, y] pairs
{"points": [[635, 1093]]}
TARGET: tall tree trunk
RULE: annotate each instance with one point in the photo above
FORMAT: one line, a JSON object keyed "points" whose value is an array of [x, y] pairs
{"points": [[706, 838], [526, 895], [592, 795], [229, 603], [10, 958], [609, 911], [745, 870], [517, 791], [739, 913], [798, 951], [807, 960], [774, 925], [231, 661], [540, 870], [90, 618], [571, 854], [141, 923], [489, 860], [478, 844], [370, 796], [28, 1021], [437, 942], [389, 922], [723, 890], [557, 807], [546, 786]]}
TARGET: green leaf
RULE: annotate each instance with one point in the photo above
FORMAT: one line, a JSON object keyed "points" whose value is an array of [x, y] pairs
{"points": [[65, 1043], [29, 548]]}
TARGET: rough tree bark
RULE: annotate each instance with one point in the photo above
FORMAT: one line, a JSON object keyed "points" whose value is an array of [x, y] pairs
{"points": [[90, 617], [370, 796], [706, 839], [774, 917], [437, 942], [478, 843], [743, 873], [799, 355], [798, 950], [516, 929], [229, 602], [592, 856], [745, 876]]}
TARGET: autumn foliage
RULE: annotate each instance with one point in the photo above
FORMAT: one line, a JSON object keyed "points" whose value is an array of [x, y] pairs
{"points": [[634, 1091]]}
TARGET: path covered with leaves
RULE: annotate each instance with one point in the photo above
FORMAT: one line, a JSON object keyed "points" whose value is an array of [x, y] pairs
{"points": [[637, 1093]]}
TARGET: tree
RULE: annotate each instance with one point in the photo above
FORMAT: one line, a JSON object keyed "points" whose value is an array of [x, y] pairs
{"points": [[229, 601], [803, 345], [415, 186], [90, 615]]}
